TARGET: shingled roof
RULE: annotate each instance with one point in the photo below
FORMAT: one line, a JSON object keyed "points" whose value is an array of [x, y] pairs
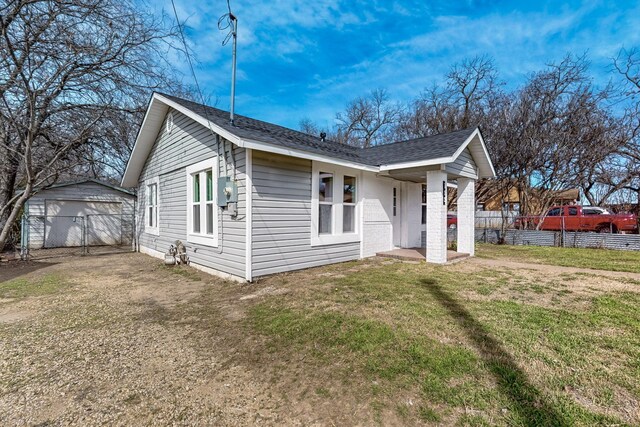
{"points": [[430, 147], [256, 134]]}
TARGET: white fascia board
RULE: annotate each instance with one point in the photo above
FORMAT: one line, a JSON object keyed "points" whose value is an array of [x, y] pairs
{"points": [[127, 179], [262, 146], [417, 163], [202, 120], [443, 160], [484, 150], [486, 153]]}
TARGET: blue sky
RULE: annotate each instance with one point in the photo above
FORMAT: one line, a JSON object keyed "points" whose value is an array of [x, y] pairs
{"points": [[302, 58]]}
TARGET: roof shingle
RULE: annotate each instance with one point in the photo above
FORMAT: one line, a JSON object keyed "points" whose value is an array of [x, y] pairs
{"points": [[426, 148]]}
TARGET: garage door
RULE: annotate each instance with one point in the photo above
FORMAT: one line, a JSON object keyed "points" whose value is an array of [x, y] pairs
{"points": [[65, 218]]}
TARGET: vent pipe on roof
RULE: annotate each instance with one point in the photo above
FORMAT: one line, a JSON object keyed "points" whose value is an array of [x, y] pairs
{"points": [[234, 33]]}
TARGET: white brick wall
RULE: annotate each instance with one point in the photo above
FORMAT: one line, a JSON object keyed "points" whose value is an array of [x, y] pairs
{"points": [[377, 231], [436, 217], [466, 215], [377, 238]]}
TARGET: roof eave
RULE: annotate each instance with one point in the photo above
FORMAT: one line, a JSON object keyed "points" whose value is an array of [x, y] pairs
{"points": [[483, 162]]}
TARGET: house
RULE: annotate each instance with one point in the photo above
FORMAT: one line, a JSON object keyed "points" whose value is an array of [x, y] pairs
{"points": [[492, 197], [251, 198], [87, 212]]}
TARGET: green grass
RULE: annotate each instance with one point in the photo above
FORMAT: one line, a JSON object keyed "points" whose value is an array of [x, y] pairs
{"points": [[414, 327], [23, 288], [598, 259], [184, 271]]}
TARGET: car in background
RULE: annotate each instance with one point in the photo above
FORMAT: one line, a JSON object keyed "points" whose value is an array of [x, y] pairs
{"points": [[579, 218], [452, 220]]}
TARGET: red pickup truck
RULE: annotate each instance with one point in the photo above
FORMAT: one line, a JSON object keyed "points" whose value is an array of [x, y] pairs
{"points": [[579, 218]]}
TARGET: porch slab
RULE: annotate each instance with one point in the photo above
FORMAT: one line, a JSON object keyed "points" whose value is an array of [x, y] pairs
{"points": [[419, 254]]}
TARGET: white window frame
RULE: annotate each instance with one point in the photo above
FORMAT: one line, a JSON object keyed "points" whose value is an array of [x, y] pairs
{"points": [[202, 237], [155, 230], [337, 236]]}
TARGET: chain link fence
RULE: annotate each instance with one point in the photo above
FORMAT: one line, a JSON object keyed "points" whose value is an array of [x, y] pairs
{"points": [[45, 236], [560, 231]]}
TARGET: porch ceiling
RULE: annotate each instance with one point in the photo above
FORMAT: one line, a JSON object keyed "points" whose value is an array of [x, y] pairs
{"points": [[417, 175]]}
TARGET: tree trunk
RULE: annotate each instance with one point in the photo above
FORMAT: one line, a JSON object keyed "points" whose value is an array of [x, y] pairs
{"points": [[7, 192], [13, 216]]}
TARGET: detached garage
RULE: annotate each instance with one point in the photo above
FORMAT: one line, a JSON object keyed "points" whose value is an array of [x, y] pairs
{"points": [[74, 214]]}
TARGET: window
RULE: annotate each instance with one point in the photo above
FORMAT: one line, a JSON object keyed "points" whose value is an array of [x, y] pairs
{"points": [[573, 211], [334, 205], [349, 204], [511, 207], [395, 200], [202, 214], [424, 204], [554, 212], [151, 214], [325, 199]]}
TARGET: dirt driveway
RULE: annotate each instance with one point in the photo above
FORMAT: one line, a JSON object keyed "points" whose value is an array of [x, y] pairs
{"points": [[122, 340], [115, 342]]}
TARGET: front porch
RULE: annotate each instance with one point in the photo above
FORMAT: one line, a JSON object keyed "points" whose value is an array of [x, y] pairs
{"points": [[420, 218], [419, 254]]}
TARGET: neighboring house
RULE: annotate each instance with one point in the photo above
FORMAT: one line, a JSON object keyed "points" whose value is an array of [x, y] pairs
{"points": [[65, 214], [493, 198], [251, 198]]}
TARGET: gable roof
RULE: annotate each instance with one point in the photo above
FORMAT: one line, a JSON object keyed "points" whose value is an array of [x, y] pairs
{"points": [[429, 147], [260, 135], [88, 180]]}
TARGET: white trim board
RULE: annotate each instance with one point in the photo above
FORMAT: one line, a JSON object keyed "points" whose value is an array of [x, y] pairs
{"points": [[248, 259]]}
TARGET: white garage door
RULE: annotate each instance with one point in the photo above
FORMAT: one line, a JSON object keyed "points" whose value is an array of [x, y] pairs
{"points": [[65, 218]]}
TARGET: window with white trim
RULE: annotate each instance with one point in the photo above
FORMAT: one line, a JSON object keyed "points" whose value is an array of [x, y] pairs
{"points": [[202, 212], [334, 205], [349, 204], [151, 211], [325, 201]]}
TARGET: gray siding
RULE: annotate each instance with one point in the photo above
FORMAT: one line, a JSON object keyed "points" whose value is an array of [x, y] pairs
{"points": [[464, 165], [87, 191], [187, 144], [281, 232]]}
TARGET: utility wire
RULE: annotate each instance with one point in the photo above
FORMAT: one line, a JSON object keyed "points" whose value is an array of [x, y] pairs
{"points": [[186, 52], [225, 23]]}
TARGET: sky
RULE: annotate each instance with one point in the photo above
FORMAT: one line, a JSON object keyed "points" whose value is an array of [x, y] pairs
{"points": [[307, 58]]}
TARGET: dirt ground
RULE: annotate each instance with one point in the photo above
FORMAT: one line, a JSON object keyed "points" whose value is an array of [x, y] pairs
{"points": [[123, 340]]}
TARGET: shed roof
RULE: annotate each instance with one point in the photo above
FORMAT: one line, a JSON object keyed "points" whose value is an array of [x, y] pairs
{"points": [[89, 180]]}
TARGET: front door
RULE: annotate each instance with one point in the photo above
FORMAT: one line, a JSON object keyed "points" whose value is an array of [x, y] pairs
{"points": [[396, 216]]}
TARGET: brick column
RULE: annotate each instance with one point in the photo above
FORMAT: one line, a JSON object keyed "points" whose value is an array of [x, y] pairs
{"points": [[437, 217], [466, 215]]}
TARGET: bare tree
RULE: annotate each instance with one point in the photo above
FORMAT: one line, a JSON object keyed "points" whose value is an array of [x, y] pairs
{"points": [[308, 126], [69, 73], [460, 101], [624, 171], [368, 120], [471, 83]]}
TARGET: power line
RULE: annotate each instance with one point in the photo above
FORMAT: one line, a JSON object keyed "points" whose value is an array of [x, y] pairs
{"points": [[186, 52]]}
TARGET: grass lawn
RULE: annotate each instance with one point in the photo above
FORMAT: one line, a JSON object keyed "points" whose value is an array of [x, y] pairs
{"points": [[488, 347], [372, 342], [598, 259], [23, 288]]}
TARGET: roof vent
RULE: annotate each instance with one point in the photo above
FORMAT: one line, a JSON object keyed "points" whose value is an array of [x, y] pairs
{"points": [[323, 135]]}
